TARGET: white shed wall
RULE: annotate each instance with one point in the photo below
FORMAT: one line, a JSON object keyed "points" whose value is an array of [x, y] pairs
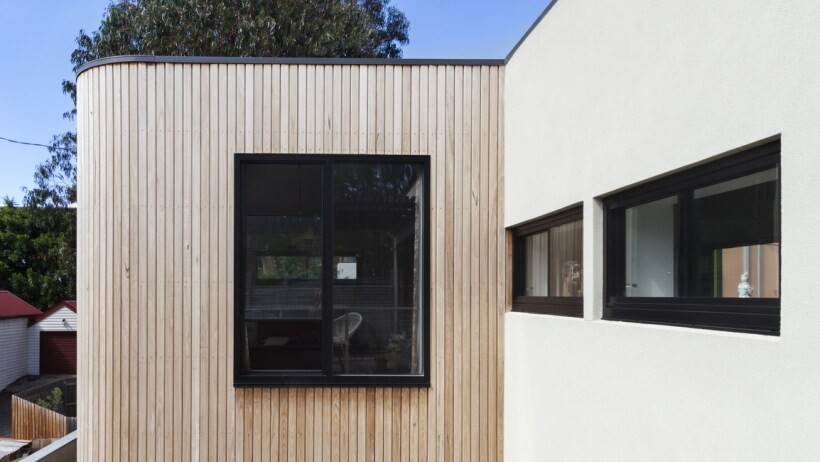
{"points": [[52, 323], [13, 350], [604, 95]]}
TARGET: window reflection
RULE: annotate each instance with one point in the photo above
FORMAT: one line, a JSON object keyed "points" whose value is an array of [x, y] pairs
{"points": [[553, 261], [736, 233], [726, 245], [283, 266], [377, 242]]}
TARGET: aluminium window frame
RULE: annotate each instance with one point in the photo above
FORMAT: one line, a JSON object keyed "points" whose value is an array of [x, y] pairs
{"points": [[325, 377], [752, 315], [553, 305]]}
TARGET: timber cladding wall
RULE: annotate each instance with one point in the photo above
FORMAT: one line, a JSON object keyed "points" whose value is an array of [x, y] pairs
{"points": [[155, 271]]}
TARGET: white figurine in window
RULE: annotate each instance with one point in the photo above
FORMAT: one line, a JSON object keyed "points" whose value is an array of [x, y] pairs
{"points": [[744, 289]]}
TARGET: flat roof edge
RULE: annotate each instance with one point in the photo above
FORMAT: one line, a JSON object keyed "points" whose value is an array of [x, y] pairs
{"points": [[282, 60]]}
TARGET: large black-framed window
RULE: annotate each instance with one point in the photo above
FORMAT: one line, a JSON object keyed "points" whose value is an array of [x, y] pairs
{"points": [[332, 279], [699, 248], [548, 263]]}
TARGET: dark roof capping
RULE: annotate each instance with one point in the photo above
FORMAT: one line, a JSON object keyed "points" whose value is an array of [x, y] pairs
{"points": [[344, 61], [532, 27], [12, 306], [237, 60], [347, 61]]}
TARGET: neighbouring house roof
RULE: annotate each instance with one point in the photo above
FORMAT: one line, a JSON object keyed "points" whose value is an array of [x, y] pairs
{"points": [[12, 306], [70, 304]]}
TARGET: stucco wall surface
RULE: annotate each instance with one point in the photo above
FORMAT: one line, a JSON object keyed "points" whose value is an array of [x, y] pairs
{"points": [[605, 95]]}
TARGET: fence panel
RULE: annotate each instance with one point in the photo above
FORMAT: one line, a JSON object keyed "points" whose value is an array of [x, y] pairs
{"points": [[30, 421], [68, 387]]}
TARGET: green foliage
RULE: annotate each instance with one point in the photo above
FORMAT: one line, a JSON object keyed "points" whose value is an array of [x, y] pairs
{"points": [[38, 253], [276, 267], [56, 178], [37, 246], [54, 401], [261, 28]]}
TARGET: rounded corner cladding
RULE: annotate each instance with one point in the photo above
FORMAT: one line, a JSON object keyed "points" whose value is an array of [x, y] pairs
{"points": [[157, 144], [289, 61]]}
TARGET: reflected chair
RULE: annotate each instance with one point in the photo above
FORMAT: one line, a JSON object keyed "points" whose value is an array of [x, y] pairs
{"points": [[343, 329]]}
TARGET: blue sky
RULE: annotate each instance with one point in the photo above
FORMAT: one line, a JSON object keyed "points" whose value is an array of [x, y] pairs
{"points": [[37, 38]]}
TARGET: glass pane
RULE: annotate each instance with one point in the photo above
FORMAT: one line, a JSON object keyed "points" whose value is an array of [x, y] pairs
{"points": [[283, 266], [760, 262], [345, 267], [735, 246], [536, 269], [566, 260], [650, 248], [377, 246]]}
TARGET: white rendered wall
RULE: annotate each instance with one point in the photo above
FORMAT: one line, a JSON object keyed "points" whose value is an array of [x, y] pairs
{"points": [[52, 323], [13, 350], [606, 94]]}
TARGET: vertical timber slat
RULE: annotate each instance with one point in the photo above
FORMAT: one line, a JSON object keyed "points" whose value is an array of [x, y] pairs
{"points": [[155, 214]]}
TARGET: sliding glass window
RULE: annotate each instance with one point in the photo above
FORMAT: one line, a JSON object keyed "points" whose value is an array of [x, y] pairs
{"points": [[548, 265], [700, 248]]}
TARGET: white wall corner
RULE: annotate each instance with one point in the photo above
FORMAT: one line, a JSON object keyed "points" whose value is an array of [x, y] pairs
{"points": [[593, 259]]}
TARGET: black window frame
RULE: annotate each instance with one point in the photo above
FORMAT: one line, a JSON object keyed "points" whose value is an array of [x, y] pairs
{"points": [[748, 315], [554, 305], [325, 377]]}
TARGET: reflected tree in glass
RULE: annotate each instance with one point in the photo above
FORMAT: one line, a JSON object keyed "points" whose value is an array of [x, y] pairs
{"points": [[377, 222]]}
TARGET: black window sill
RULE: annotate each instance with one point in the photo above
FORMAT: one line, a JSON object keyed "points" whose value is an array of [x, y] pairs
{"points": [[750, 315], [559, 306], [318, 380]]}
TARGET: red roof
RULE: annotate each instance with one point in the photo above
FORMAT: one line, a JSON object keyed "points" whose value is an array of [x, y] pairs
{"points": [[12, 306], [70, 304]]}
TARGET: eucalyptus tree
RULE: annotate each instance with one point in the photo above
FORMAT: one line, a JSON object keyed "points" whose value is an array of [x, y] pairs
{"points": [[38, 242], [260, 28]]}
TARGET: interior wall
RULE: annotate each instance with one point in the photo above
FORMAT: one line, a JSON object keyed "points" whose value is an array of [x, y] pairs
{"points": [[605, 95], [650, 249], [155, 268]]}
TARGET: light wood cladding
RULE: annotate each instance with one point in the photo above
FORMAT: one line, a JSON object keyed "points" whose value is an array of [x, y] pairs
{"points": [[155, 269]]}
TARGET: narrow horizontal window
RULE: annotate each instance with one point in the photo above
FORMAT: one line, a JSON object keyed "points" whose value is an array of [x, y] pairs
{"points": [[548, 265], [699, 248], [332, 287]]}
